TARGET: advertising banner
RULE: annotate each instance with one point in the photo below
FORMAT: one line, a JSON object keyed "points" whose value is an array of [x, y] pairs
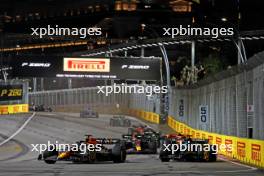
{"points": [[118, 68], [13, 109], [11, 92]]}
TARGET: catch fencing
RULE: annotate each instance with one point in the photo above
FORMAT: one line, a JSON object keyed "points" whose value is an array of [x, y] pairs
{"points": [[229, 103], [79, 98], [76, 99]]}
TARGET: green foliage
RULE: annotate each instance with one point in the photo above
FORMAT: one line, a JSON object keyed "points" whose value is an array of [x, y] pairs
{"points": [[212, 64]]}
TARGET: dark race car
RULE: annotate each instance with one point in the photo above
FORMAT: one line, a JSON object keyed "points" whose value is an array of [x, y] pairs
{"points": [[89, 113], [141, 129], [40, 108], [110, 150], [120, 121], [199, 150], [141, 141]]}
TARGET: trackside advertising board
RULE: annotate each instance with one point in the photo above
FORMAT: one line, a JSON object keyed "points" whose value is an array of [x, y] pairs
{"points": [[11, 92], [13, 109], [81, 67]]}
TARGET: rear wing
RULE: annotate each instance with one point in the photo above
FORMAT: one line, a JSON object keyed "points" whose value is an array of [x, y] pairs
{"points": [[108, 141], [126, 136], [197, 141]]}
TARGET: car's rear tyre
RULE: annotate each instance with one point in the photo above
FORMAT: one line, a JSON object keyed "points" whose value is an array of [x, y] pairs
{"points": [[120, 158], [212, 158], [165, 159], [153, 147], [47, 154], [119, 154]]}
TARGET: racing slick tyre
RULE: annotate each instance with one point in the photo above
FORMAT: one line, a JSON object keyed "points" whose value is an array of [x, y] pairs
{"points": [[164, 156], [212, 157], [165, 159], [47, 154], [153, 147], [92, 156], [119, 154]]}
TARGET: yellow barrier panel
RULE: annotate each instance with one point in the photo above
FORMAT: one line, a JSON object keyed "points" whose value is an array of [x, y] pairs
{"points": [[13, 109], [248, 151], [148, 116]]}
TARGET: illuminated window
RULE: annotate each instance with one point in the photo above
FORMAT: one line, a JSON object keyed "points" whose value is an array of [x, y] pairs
{"points": [[181, 6]]}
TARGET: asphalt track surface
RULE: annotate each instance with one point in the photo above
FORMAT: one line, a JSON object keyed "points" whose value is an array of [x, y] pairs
{"points": [[16, 157]]}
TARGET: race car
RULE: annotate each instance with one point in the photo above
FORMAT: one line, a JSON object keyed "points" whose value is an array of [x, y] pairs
{"points": [[40, 108], [110, 150], [120, 121], [141, 142], [193, 149], [140, 129], [172, 137], [88, 113], [144, 130]]}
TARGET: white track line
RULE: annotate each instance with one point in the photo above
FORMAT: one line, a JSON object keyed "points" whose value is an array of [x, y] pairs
{"points": [[237, 163], [19, 130]]}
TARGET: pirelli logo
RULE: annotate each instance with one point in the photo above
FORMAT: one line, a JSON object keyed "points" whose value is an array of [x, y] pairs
{"points": [[218, 141], [241, 149], [256, 152], [193, 133], [203, 136], [86, 65], [197, 135], [227, 143], [210, 139]]}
